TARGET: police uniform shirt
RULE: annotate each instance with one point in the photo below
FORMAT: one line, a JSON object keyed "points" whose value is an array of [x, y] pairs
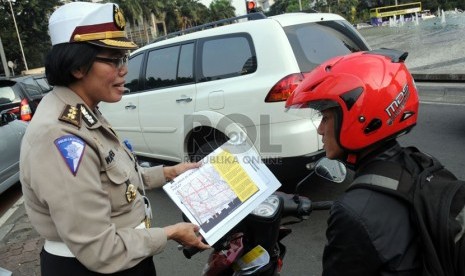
{"points": [[75, 175]]}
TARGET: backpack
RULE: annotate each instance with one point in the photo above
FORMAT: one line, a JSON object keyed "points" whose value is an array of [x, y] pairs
{"points": [[436, 199]]}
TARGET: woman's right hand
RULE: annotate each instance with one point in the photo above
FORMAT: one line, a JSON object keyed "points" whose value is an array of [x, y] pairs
{"points": [[171, 172], [186, 234]]}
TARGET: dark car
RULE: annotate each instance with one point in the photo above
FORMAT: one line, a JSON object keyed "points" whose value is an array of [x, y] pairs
{"points": [[21, 95]]}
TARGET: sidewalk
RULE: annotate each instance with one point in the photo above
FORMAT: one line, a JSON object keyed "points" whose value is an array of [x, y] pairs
{"points": [[20, 244]]}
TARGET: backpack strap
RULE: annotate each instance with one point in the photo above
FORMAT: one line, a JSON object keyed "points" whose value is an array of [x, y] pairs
{"points": [[387, 177]]}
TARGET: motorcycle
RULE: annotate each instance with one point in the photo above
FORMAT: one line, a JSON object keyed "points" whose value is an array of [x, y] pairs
{"points": [[254, 246]]}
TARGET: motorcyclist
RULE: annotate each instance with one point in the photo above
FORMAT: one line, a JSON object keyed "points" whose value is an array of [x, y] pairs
{"points": [[367, 100]]}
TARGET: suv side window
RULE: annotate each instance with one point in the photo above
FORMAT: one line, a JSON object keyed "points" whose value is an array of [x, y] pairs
{"points": [[227, 56], [170, 66], [132, 77], [186, 64]]}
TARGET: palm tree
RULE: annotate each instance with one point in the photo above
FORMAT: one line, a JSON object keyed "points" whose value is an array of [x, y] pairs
{"points": [[143, 12], [220, 9], [182, 14], [175, 15]]}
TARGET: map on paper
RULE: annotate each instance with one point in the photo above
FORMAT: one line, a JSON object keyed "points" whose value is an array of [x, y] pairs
{"points": [[220, 193]]}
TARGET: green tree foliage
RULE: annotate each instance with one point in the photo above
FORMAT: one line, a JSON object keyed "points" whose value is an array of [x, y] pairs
{"points": [[286, 6], [347, 8], [220, 9], [32, 21]]}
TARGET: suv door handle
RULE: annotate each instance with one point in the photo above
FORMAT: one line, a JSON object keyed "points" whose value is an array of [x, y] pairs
{"points": [[187, 100], [130, 106]]}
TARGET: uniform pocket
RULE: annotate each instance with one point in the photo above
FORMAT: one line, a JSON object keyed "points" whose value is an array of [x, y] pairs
{"points": [[118, 174], [118, 185]]}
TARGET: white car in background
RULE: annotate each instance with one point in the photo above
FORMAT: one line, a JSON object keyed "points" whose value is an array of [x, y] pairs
{"points": [[189, 92]]}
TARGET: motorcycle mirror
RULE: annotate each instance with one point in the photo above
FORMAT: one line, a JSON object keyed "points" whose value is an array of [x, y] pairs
{"points": [[331, 170]]}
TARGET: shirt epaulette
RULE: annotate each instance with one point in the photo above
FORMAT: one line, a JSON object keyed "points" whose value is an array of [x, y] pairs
{"points": [[72, 115], [87, 116]]}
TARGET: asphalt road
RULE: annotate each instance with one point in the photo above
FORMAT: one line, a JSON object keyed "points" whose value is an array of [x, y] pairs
{"points": [[440, 132]]}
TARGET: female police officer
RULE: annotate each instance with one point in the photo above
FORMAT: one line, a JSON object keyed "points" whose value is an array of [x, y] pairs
{"points": [[82, 186]]}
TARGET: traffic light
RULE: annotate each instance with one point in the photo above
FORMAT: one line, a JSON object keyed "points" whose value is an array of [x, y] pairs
{"points": [[251, 6]]}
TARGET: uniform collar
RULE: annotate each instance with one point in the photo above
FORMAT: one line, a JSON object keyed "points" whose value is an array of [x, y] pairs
{"points": [[75, 111]]}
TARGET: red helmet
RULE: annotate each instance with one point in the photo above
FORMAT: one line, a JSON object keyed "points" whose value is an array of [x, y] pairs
{"points": [[374, 92]]}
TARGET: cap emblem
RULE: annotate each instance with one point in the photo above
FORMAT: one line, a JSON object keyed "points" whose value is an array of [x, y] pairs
{"points": [[120, 22]]}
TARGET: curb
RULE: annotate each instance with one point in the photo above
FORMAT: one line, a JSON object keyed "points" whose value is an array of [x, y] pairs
{"points": [[451, 93], [10, 212], [438, 77]]}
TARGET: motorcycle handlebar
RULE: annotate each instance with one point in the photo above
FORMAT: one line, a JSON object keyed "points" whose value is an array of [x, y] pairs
{"points": [[293, 205], [322, 205], [300, 206], [190, 251]]}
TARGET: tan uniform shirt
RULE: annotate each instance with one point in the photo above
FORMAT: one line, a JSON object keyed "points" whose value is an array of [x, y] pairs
{"points": [[75, 174]]}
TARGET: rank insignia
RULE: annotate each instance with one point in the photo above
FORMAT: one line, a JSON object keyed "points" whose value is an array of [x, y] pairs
{"points": [[87, 116], [71, 149], [131, 192], [71, 115]]}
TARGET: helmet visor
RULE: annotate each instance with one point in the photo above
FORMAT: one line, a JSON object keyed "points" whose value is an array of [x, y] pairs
{"points": [[302, 111], [319, 105]]}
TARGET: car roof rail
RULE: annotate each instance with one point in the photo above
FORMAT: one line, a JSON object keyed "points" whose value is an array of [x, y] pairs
{"points": [[250, 16]]}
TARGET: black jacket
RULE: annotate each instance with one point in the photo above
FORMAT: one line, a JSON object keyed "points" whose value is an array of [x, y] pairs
{"points": [[370, 233]]}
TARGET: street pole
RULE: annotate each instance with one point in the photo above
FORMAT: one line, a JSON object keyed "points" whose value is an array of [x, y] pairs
{"points": [[3, 57], [17, 32]]}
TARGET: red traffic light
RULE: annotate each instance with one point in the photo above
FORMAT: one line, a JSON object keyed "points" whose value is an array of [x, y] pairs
{"points": [[251, 6]]}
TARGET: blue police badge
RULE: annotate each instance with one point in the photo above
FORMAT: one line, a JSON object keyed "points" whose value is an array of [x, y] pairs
{"points": [[71, 149]]}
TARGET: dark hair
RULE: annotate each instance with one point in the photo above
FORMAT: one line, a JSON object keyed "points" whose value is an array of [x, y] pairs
{"points": [[65, 58]]}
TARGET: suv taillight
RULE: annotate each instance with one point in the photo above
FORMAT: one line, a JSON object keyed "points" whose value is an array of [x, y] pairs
{"points": [[283, 88], [26, 113]]}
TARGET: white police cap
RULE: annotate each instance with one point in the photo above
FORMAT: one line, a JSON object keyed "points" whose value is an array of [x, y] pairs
{"points": [[99, 24]]}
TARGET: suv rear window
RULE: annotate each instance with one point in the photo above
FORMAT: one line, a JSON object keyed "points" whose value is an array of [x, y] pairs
{"points": [[314, 43]]}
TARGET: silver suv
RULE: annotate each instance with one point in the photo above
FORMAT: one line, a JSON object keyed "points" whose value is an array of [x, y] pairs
{"points": [[190, 91], [11, 134]]}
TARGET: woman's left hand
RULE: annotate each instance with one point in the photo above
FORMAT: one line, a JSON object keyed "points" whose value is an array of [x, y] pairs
{"points": [[173, 171]]}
